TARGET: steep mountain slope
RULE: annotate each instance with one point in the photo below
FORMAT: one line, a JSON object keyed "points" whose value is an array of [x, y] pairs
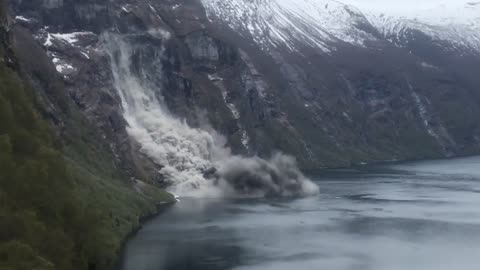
{"points": [[330, 83], [316, 23], [59, 207], [400, 53]]}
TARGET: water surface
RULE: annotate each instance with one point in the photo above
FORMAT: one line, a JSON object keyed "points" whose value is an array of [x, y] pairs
{"points": [[423, 215]]}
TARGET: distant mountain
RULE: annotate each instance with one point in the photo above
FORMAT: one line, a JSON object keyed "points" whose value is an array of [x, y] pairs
{"points": [[457, 22], [322, 23], [389, 60]]}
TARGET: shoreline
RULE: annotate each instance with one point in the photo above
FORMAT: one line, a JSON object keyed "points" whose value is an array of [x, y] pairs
{"points": [[388, 162], [160, 209]]}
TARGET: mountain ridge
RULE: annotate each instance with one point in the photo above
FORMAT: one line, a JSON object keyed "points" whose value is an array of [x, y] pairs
{"points": [[329, 101], [318, 23]]}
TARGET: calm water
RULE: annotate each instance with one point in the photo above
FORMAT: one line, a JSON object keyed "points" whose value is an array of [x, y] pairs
{"points": [[423, 215]]}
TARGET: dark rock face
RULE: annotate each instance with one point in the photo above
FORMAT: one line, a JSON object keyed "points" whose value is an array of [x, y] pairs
{"points": [[358, 104]]}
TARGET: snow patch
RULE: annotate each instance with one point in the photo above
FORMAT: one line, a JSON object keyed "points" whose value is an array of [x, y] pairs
{"points": [[214, 77], [231, 106], [159, 33], [61, 68], [86, 55], [70, 38], [347, 116], [48, 41], [22, 19], [427, 65]]}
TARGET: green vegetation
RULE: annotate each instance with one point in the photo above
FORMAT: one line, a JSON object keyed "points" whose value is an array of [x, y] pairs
{"points": [[59, 207]]}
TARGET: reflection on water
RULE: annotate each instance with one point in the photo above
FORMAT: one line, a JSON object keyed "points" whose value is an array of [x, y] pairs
{"points": [[423, 215]]}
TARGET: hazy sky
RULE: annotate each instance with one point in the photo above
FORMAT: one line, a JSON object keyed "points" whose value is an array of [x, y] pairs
{"points": [[403, 5]]}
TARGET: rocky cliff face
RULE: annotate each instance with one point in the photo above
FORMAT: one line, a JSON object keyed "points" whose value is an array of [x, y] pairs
{"points": [[339, 92], [369, 86]]}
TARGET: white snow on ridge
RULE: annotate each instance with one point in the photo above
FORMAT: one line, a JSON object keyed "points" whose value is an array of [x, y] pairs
{"points": [[457, 22], [61, 66], [322, 23], [70, 38], [434, 12], [274, 23], [21, 18]]}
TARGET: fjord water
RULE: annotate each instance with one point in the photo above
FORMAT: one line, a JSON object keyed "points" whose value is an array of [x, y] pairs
{"points": [[422, 215]]}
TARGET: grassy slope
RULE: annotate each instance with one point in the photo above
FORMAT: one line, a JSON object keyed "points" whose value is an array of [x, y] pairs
{"points": [[63, 205]]}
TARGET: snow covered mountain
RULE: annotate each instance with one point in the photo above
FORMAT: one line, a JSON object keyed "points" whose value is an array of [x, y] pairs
{"points": [[322, 23], [317, 23], [457, 22], [332, 83]]}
